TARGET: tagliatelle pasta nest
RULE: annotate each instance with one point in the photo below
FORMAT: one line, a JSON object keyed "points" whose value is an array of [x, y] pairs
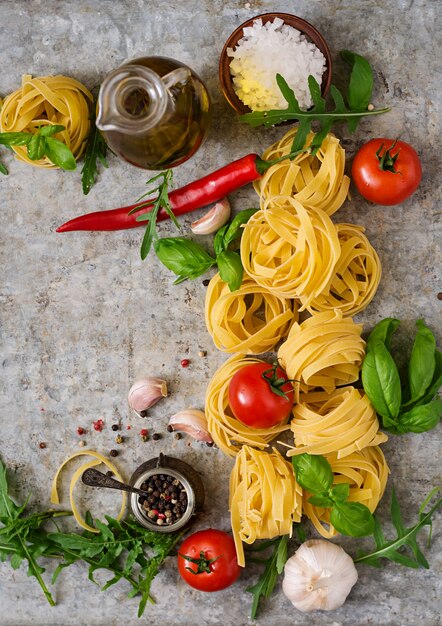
{"points": [[356, 275], [325, 351], [250, 320], [265, 498], [228, 433], [290, 250], [366, 471], [315, 181], [48, 100], [342, 422]]}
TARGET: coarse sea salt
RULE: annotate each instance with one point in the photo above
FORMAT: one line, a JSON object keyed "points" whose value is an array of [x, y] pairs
{"points": [[269, 49]]}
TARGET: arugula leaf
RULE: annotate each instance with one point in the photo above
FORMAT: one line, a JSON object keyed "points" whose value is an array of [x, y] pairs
{"points": [[3, 169], [359, 96], [274, 566], [406, 537], [96, 149]]}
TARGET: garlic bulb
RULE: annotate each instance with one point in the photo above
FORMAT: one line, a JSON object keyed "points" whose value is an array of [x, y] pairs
{"points": [[146, 392], [193, 422], [319, 575], [218, 215]]}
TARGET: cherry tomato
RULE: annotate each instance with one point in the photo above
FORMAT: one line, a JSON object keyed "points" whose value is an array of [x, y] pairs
{"points": [[386, 171], [260, 401], [207, 560]]}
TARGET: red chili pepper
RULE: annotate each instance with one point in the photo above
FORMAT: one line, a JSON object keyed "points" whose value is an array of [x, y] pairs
{"points": [[200, 193]]}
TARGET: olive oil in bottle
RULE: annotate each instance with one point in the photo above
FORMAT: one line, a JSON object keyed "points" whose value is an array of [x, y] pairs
{"points": [[153, 112]]}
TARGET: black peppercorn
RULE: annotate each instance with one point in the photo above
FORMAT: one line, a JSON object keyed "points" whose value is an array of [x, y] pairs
{"points": [[143, 413], [115, 427], [206, 282], [156, 436], [113, 453], [170, 428]]}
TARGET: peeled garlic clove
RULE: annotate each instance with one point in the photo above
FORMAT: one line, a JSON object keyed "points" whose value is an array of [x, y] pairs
{"points": [[146, 392], [213, 219], [193, 422], [319, 576]]}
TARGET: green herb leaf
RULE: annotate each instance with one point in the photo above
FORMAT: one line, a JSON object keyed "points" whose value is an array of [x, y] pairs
{"points": [[185, 258], [359, 96], [15, 139], [219, 242], [96, 150], [274, 566], [50, 130], [340, 492], [3, 169], [435, 384], [406, 537], [234, 229], [230, 268], [422, 361], [321, 500], [383, 332], [36, 147], [313, 472], [380, 378], [420, 418], [59, 154], [352, 518], [361, 84]]}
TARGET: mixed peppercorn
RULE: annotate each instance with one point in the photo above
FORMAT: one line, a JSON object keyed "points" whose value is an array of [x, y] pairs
{"points": [[166, 501]]}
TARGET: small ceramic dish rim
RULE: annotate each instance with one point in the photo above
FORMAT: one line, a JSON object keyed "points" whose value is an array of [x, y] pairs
{"points": [[300, 24]]}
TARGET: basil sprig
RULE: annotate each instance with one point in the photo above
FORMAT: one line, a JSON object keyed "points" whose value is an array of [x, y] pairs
{"points": [[188, 259], [314, 473], [42, 143], [358, 99], [415, 407]]}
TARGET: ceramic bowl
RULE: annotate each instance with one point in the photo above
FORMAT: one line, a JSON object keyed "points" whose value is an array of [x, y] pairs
{"points": [[304, 27]]}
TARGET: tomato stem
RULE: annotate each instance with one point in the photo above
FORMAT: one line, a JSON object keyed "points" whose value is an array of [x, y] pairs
{"points": [[203, 563], [386, 159]]}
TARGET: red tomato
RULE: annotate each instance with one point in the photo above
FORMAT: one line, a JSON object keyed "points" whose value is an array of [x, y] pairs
{"points": [[386, 171], [207, 560], [254, 399]]}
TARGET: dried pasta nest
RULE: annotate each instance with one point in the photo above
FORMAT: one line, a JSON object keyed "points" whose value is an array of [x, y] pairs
{"points": [[366, 471], [290, 250], [265, 498], [315, 181], [48, 100], [356, 275], [324, 351], [227, 432], [250, 320], [342, 422]]}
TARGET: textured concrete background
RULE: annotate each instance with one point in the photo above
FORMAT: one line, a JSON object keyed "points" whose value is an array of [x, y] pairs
{"points": [[82, 316]]}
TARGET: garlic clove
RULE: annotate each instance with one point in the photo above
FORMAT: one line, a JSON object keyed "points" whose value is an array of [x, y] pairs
{"points": [[218, 215], [193, 422], [146, 392], [319, 576]]}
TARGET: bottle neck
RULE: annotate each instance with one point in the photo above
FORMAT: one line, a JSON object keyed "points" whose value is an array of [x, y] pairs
{"points": [[132, 99]]}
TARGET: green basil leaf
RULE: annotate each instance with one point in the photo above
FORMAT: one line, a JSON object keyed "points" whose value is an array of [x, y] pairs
{"points": [[234, 228], [36, 147], [230, 268], [185, 258], [59, 154], [380, 378], [435, 384], [49, 130], [361, 81], [15, 139], [219, 243], [422, 361], [321, 500], [420, 418], [383, 332], [352, 518], [340, 492], [313, 472]]}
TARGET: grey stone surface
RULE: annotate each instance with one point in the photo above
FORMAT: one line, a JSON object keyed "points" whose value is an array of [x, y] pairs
{"points": [[82, 316]]}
